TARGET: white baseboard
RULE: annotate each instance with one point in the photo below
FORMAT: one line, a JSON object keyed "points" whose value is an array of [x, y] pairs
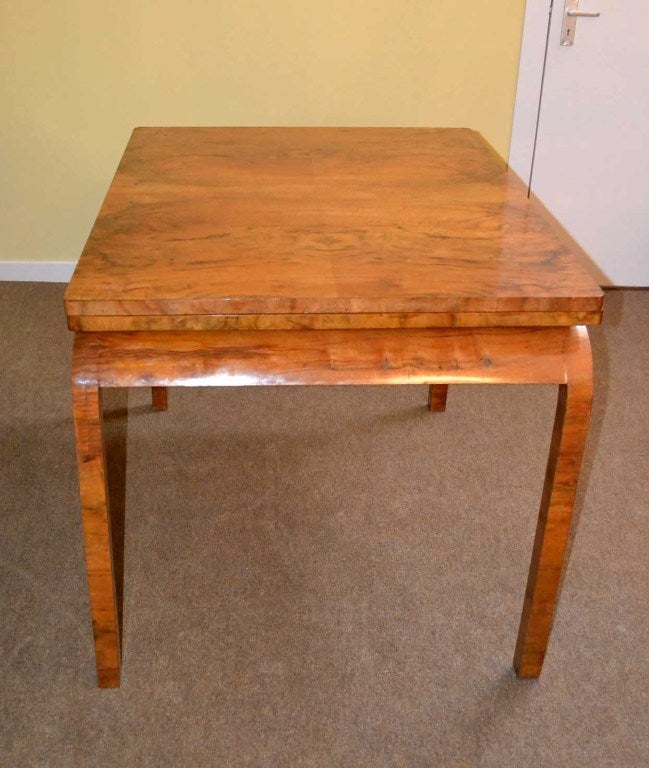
{"points": [[37, 271]]}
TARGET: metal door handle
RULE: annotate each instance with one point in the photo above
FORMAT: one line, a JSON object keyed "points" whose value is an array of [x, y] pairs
{"points": [[589, 14], [571, 13]]}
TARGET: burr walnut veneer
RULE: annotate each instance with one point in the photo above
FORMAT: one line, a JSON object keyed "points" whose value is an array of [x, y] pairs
{"points": [[248, 256]]}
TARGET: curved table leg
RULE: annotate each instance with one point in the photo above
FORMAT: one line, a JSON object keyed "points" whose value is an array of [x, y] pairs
{"points": [[523, 356], [557, 502]]}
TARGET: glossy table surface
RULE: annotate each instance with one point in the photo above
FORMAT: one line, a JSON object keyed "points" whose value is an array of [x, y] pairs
{"points": [[256, 228]]}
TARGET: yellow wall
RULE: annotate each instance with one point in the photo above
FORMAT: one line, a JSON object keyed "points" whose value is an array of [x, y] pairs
{"points": [[78, 75]]}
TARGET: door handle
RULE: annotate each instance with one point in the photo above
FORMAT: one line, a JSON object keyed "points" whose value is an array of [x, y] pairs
{"points": [[571, 13], [590, 14]]}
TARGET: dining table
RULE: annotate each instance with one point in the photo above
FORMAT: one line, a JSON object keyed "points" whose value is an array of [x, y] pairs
{"points": [[226, 257]]}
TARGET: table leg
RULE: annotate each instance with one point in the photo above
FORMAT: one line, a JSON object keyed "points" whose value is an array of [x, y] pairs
{"points": [[159, 398], [86, 402], [538, 356], [553, 527], [437, 397]]}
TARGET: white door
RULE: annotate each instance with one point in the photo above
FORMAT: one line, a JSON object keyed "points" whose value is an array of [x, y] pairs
{"points": [[591, 163]]}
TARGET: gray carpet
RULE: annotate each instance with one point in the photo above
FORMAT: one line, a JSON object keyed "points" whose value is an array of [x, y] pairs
{"points": [[321, 576]]}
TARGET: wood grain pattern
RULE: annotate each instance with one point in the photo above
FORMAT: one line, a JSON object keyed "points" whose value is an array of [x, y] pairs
{"points": [[557, 503], [321, 322], [245, 358], [233, 257], [86, 401], [439, 357], [293, 222]]}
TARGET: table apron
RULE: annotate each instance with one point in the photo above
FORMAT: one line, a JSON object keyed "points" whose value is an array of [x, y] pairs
{"points": [[347, 357]]}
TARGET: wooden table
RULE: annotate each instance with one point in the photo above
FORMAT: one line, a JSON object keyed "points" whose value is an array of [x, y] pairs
{"points": [[229, 257]]}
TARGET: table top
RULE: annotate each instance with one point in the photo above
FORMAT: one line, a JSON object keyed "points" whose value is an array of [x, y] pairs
{"points": [[324, 228]]}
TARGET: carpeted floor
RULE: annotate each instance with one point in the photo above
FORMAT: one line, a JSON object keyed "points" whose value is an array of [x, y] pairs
{"points": [[321, 576]]}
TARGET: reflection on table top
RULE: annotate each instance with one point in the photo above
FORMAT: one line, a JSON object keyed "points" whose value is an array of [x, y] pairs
{"points": [[415, 226]]}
